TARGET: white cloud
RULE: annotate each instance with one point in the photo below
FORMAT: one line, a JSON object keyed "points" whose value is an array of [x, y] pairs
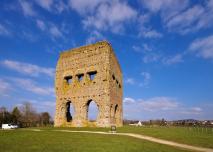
{"points": [[159, 5], [94, 37], [55, 32], [52, 6], [151, 57], [167, 8], [26, 68], [147, 77], [96, 15], [192, 111], [173, 60], [180, 16], [130, 81], [151, 108], [192, 19], [147, 47], [159, 103], [46, 4], [142, 49], [27, 8], [158, 108], [4, 86], [83, 7], [41, 25], [51, 29], [4, 31], [136, 48], [128, 100], [150, 34], [203, 47], [61, 6], [30, 85]]}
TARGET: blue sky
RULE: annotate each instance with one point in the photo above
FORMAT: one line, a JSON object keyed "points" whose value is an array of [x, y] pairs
{"points": [[165, 48]]}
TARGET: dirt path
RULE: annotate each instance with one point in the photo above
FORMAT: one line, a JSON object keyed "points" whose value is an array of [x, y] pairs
{"points": [[152, 139]]}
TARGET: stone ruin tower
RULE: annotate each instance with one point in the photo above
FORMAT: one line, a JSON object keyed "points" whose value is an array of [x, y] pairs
{"points": [[85, 74]]}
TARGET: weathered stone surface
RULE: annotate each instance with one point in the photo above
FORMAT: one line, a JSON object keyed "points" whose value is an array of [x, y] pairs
{"points": [[74, 84]]}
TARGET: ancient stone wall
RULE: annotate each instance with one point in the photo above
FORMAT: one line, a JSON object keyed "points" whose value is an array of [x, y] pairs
{"points": [[85, 74]]}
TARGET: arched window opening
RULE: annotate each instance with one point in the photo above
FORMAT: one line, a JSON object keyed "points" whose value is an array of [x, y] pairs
{"points": [[69, 111], [92, 112]]}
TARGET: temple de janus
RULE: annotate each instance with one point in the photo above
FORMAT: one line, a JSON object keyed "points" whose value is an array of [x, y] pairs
{"points": [[85, 74]]}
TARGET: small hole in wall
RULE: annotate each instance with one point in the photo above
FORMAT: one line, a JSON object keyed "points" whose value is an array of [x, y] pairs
{"points": [[119, 86], [80, 77], [68, 79], [92, 75], [117, 81], [113, 77]]}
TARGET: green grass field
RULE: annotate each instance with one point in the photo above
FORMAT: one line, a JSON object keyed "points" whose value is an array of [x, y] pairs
{"points": [[192, 136], [202, 138], [25, 140], [49, 140]]}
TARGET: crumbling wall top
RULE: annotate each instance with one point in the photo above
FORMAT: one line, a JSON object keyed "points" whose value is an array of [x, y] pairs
{"points": [[78, 50]]}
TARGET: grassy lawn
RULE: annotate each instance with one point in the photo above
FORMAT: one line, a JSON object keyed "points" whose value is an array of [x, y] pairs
{"points": [[177, 134], [185, 135], [25, 140]]}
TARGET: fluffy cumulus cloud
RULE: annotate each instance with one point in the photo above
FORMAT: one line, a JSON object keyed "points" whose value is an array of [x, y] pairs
{"points": [[203, 47], [27, 68]]}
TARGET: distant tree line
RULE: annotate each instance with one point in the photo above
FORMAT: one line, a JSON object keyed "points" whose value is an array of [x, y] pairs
{"points": [[25, 116]]}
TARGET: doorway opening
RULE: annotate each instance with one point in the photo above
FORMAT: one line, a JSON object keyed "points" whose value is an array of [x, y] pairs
{"points": [[69, 111], [92, 111]]}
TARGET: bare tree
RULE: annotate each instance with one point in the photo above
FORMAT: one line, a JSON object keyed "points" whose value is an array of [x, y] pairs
{"points": [[45, 118], [29, 116]]}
